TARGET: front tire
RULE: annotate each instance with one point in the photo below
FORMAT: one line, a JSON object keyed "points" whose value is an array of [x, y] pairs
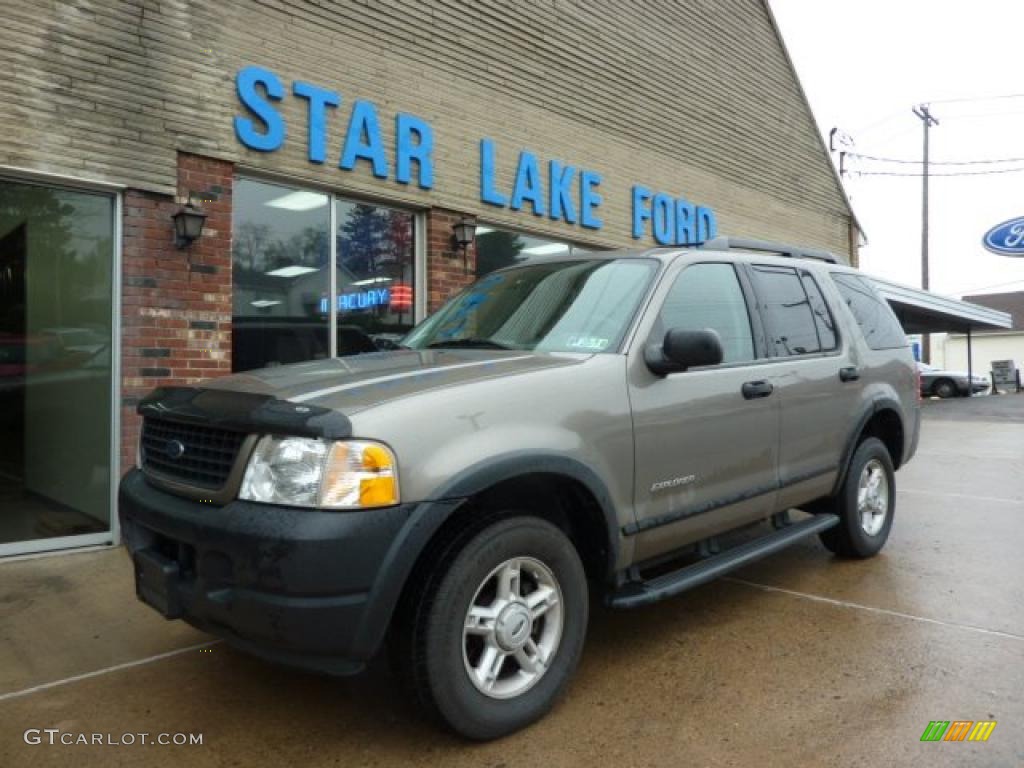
{"points": [[945, 389], [865, 504], [498, 629]]}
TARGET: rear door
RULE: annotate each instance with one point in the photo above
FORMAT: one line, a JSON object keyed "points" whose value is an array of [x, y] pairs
{"points": [[706, 455], [816, 375]]}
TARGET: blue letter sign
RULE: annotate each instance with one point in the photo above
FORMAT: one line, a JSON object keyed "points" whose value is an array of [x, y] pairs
{"points": [[527, 186], [273, 137], [364, 123], [488, 193], [407, 126], [319, 100], [572, 193]]}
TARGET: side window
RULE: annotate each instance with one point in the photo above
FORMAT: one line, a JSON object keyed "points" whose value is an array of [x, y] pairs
{"points": [[822, 317], [877, 322], [788, 313], [709, 296]]}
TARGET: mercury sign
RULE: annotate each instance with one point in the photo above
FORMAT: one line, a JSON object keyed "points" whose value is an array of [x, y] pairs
{"points": [[1006, 238]]}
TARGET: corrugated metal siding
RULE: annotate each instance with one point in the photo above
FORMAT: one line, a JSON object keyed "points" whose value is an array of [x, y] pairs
{"points": [[692, 98]]}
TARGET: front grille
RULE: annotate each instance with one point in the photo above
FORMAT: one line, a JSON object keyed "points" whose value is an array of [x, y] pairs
{"points": [[188, 453]]}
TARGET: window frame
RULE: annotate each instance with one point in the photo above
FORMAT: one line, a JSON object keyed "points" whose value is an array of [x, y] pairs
{"points": [[798, 270]]}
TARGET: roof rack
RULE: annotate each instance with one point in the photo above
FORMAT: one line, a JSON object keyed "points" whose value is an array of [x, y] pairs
{"points": [[782, 249]]}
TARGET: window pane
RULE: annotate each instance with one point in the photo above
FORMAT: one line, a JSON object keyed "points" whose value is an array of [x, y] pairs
{"points": [[709, 296], [822, 317], [375, 277], [279, 258], [56, 258], [787, 309], [498, 248], [874, 315], [568, 306]]}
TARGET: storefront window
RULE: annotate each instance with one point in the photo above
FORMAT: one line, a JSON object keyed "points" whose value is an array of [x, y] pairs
{"points": [[282, 282], [280, 252], [375, 276], [56, 296], [499, 248]]}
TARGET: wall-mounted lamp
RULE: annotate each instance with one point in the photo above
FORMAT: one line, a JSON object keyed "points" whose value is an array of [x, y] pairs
{"points": [[463, 235], [188, 225]]}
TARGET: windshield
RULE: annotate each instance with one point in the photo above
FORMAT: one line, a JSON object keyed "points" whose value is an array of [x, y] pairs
{"points": [[568, 306]]}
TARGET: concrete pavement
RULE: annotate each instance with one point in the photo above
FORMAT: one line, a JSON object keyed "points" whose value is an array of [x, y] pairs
{"points": [[800, 659]]}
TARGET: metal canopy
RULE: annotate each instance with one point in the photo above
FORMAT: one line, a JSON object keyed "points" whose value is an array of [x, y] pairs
{"points": [[925, 312]]}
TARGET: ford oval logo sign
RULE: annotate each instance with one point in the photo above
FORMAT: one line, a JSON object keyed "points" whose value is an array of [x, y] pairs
{"points": [[1006, 238]]}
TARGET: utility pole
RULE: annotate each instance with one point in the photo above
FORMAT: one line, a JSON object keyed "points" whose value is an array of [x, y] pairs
{"points": [[928, 121]]}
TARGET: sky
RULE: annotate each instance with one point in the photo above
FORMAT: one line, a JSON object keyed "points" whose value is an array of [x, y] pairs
{"points": [[864, 65]]}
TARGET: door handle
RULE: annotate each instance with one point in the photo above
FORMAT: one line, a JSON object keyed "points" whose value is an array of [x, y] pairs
{"points": [[849, 374], [755, 389]]}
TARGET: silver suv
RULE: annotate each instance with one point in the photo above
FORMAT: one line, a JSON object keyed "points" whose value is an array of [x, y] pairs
{"points": [[619, 425]]}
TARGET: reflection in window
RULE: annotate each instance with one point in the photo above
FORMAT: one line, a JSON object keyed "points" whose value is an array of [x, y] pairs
{"points": [[568, 306], [791, 321], [709, 296], [56, 293], [874, 316], [500, 248], [822, 317], [282, 295], [375, 277], [279, 261]]}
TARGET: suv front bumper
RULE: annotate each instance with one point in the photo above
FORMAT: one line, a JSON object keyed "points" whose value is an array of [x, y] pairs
{"points": [[298, 586]]}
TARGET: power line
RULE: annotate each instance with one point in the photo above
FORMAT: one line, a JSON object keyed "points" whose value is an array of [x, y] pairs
{"points": [[971, 115], [957, 173], [978, 98], [904, 161]]}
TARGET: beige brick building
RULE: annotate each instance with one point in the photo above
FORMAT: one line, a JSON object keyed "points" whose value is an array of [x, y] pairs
{"points": [[332, 147]]}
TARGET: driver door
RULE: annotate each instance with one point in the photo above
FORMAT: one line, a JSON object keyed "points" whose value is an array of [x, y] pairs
{"points": [[706, 450]]}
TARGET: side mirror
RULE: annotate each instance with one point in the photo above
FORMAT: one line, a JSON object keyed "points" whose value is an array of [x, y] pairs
{"points": [[684, 349]]}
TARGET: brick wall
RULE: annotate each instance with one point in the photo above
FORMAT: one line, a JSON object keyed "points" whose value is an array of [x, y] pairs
{"points": [[446, 269], [176, 306]]}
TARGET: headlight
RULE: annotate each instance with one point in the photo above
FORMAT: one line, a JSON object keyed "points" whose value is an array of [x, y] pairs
{"points": [[310, 472]]}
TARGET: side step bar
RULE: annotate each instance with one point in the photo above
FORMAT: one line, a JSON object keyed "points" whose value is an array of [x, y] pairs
{"points": [[642, 592]]}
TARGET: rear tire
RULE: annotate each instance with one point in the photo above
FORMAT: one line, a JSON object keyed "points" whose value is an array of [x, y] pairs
{"points": [[944, 388], [865, 504], [490, 637]]}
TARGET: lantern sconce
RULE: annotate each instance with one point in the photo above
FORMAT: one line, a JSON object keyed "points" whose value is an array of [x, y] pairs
{"points": [[463, 236], [188, 225]]}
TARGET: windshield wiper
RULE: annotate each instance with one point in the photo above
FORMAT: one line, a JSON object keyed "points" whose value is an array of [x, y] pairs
{"points": [[467, 342]]}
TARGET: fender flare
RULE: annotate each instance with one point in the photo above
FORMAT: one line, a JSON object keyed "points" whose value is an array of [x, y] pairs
{"points": [[427, 517], [878, 404]]}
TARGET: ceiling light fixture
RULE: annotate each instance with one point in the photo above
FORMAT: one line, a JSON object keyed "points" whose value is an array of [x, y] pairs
{"points": [[292, 271]]}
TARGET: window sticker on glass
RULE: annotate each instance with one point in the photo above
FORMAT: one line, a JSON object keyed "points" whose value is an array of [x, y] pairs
{"points": [[594, 343]]}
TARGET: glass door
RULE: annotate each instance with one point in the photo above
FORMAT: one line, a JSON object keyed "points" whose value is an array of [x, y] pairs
{"points": [[56, 416]]}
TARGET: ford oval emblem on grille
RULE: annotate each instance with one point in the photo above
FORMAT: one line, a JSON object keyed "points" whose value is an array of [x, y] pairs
{"points": [[174, 449]]}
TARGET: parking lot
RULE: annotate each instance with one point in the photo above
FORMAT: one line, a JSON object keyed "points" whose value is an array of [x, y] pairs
{"points": [[798, 660]]}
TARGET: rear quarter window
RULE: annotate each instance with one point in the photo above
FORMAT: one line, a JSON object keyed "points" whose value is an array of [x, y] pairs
{"points": [[873, 314]]}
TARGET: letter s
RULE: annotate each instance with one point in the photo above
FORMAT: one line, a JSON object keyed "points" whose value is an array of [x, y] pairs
{"points": [[246, 82]]}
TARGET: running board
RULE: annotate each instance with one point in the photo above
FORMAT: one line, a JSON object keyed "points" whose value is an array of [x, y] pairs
{"points": [[638, 593]]}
